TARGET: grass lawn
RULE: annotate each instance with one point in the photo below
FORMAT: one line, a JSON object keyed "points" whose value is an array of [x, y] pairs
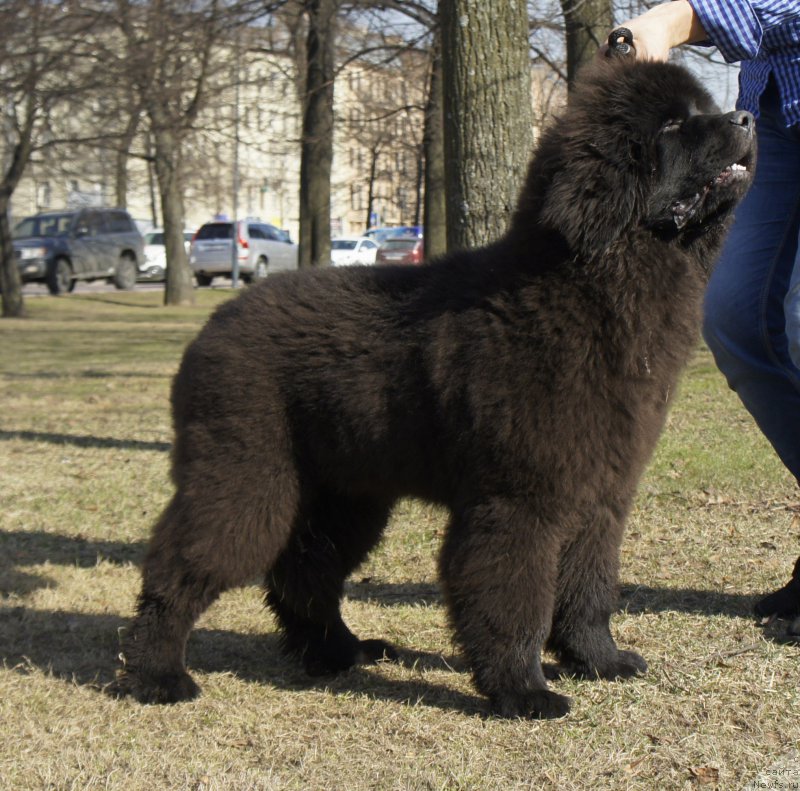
{"points": [[84, 439]]}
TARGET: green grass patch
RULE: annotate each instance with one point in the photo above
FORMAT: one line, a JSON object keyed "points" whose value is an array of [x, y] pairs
{"points": [[84, 438]]}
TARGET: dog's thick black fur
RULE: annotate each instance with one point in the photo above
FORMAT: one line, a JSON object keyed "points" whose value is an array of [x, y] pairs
{"points": [[523, 386]]}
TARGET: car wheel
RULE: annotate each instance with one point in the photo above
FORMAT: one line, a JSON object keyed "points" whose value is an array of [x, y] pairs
{"points": [[59, 277], [261, 269], [125, 276], [203, 280]]}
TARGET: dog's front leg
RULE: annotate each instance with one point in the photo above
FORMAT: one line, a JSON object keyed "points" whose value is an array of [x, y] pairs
{"points": [[499, 570], [586, 596]]}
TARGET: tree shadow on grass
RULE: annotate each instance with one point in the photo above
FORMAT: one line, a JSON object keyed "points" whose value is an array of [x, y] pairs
{"points": [[111, 301], [83, 649], [638, 599], [393, 594], [84, 440], [634, 599], [87, 374], [32, 547]]}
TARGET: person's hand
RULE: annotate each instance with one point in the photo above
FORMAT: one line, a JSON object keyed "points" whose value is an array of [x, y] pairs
{"points": [[651, 37], [661, 28]]}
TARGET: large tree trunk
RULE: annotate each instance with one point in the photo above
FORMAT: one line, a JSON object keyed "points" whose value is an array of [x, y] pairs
{"points": [[121, 164], [10, 281], [435, 209], [488, 115], [317, 145], [588, 24], [373, 171], [418, 182], [179, 289]]}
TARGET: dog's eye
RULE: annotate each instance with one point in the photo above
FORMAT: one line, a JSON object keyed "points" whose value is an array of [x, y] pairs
{"points": [[672, 126]]}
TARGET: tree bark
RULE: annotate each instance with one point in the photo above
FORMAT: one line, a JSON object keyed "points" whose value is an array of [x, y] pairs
{"points": [[375, 151], [317, 143], [487, 115], [121, 164], [179, 288], [588, 24], [435, 207], [10, 281]]}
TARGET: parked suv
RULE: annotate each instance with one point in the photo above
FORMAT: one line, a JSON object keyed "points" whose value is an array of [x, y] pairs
{"points": [[59, 248], [261, 249]]}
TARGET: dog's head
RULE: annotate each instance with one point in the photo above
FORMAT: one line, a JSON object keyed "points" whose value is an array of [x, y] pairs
{"points": [[640, 145]]}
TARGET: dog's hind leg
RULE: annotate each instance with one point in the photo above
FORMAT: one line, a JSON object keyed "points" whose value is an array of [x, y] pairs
{"points": [[499, 568], [201, 546], [587, 593], [304, 587]]}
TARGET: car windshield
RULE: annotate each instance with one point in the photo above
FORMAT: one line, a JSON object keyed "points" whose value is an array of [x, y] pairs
{"points": [[400, 244], [380, 234], [46, 225], [343, 244], [154, 237], [215, 230]]}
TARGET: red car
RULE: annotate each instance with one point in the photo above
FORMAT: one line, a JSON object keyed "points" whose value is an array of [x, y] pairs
{"points": [[401, 250]]}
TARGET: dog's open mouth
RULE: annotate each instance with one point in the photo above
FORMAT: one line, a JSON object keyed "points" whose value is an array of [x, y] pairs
{"points": [[686, 208], [737, 170]]}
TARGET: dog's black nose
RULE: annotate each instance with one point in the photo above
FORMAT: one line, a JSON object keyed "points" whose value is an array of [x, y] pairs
{"points": [[742, 118]]}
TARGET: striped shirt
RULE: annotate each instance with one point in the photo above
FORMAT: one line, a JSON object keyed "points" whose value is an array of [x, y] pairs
{"points": [[765, 36]]}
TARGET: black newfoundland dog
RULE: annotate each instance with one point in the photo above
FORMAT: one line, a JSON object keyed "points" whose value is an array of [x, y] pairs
{"points": [[523, 386]]}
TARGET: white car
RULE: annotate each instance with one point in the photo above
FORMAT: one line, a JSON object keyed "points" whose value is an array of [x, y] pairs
{"points": [[154, 265], [349, 250]]}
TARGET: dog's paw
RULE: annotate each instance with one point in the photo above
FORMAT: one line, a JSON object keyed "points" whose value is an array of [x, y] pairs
{"points": [[624, 664], [783, 603], [165, 688], [372, 651], [627, 665], [338, 658], [539, 704]]}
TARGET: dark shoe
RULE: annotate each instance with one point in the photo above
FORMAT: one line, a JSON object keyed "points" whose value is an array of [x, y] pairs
{"points": [[783, 603]]}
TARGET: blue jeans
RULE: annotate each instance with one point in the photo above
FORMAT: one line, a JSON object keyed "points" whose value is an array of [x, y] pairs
{"points": [[752, 306]]}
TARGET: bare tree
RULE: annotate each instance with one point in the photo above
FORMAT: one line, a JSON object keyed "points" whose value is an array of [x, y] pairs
{"points": [[168, 56], [317, 136], [46, 66], [411, 27], [488, 123], [588, 23], [435, 215], [178, 56]]}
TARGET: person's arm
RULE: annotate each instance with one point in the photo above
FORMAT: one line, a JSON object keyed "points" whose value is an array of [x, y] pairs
{"points": [[663, 27], [735, 27]]}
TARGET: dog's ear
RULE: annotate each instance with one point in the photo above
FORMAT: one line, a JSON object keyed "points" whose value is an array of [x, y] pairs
{"points": [[592, 202]]}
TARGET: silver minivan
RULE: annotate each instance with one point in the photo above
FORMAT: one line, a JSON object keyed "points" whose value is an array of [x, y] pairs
{"points": [[261, 249]]}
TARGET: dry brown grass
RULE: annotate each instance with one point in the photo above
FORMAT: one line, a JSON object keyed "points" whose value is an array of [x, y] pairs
{"points": [[83, 465]]}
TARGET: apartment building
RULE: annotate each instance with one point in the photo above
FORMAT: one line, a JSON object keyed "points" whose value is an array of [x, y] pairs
{"points": [[244, 155]]}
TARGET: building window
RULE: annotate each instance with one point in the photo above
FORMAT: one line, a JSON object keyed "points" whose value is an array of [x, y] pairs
{"points": [[43, 195]]}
